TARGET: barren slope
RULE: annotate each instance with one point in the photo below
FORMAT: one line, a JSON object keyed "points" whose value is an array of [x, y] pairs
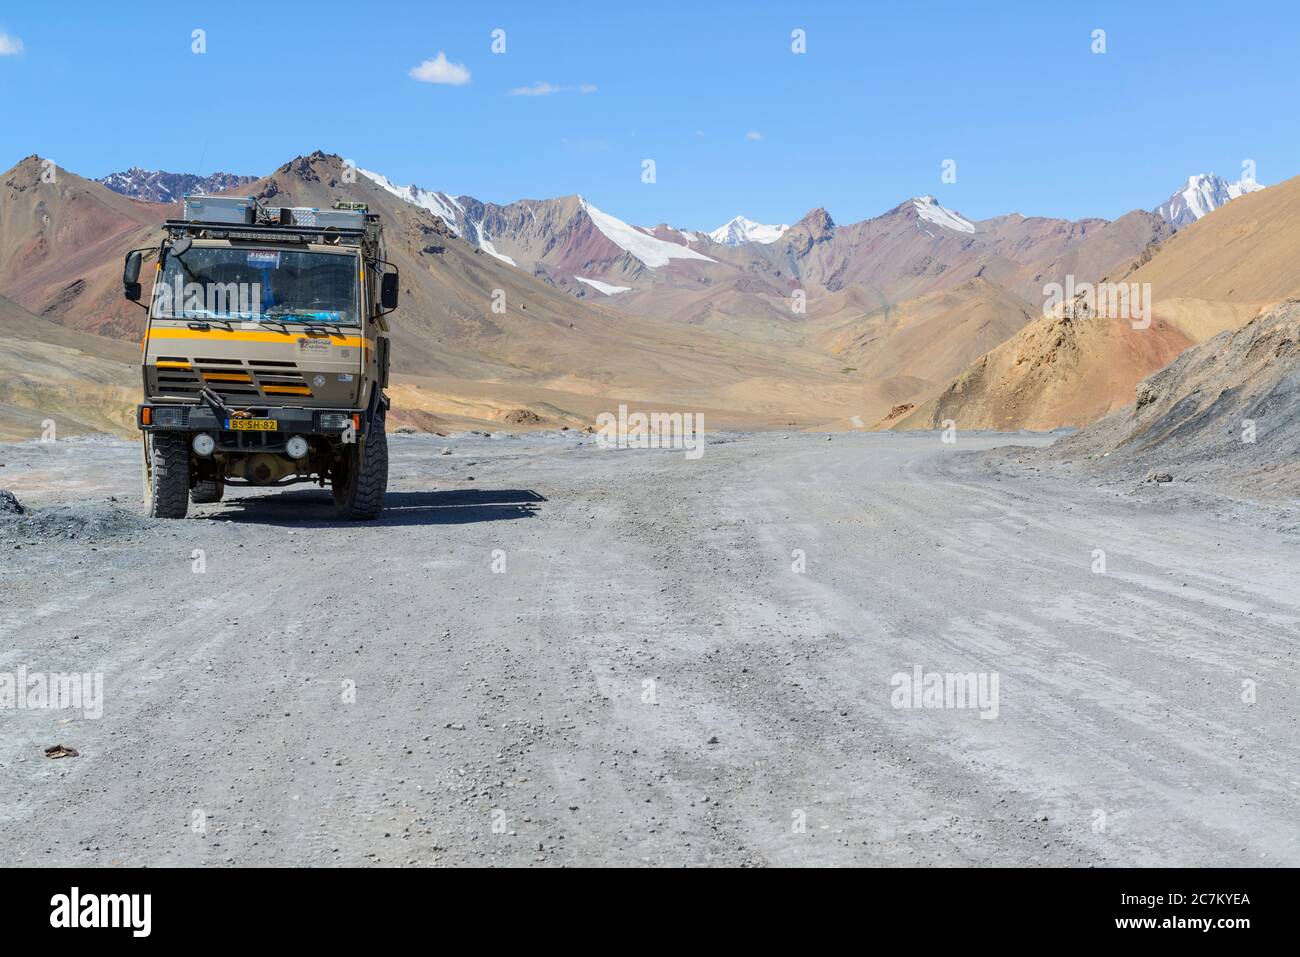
{"points": [[48, 373], [902, 354], [62, 243], [1054, 372], [1244, 251], [1211, 276], [1226, 411]]}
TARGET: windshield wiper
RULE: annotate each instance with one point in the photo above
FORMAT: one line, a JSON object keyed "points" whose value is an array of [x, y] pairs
{"points": [[323, 327], [201, 314], [306, 317], [311, 322], [201, 320], [264, 320]]}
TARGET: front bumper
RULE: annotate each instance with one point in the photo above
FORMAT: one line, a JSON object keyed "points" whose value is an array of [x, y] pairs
{"points": [[186, 417]]}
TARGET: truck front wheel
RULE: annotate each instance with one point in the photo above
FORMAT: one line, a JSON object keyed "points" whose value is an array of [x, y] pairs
{"points": [[360, 475], [166, 475]]}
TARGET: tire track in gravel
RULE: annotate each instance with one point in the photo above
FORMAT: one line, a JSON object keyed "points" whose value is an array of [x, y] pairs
{"points": [[506, 718]]}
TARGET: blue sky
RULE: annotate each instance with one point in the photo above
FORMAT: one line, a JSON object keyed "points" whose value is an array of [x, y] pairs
{"points": [[1035, 121]]}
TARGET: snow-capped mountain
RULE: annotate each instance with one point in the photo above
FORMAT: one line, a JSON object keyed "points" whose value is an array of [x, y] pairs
{"points": [[928, 208], [157, 186], [440, 204], [1201, 195], [526, 231], [742, 230], [651, 250], [742, 268]]}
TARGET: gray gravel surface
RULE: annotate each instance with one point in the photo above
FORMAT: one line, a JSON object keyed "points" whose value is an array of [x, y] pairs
{"points": [[648, 679]]}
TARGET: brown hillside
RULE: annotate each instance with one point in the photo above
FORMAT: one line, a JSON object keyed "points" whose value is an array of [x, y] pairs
{"points": [[1211, 276], [62, 243]]}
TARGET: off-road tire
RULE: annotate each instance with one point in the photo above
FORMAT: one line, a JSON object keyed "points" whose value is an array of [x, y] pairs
{"points": [[207, 491], [167, 475], [361, 481]]}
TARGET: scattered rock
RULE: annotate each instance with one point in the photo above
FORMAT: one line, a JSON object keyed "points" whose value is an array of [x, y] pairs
{"points": [[81, 522], [61, 751], [9, 504], [1160, 477]]}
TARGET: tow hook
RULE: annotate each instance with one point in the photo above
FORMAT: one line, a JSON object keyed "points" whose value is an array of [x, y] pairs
{"points": [[214, 403]]}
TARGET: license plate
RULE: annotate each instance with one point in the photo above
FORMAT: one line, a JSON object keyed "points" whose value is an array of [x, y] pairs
{"points": [[252, 425]]}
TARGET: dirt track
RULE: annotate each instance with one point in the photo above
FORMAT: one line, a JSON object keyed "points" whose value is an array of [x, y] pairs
{"points": [[520, 698]]}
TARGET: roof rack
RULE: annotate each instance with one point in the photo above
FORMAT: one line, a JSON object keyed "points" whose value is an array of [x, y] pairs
{"points": [[248, 211], [244, 218], [328, 235]]}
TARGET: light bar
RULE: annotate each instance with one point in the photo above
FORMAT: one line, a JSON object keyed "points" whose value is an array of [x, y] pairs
{"points": [[286, 234]]}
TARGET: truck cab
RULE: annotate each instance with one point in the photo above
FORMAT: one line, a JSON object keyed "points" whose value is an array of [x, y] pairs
{"points": [[266, 354]]}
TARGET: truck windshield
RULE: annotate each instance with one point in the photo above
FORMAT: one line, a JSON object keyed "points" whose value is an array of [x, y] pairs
{"points": [[258, 284]]}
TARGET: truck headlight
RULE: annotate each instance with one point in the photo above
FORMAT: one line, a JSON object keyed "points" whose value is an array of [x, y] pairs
{"points": [[334, 421], [168, 417], [297, 447], [203, 444]]}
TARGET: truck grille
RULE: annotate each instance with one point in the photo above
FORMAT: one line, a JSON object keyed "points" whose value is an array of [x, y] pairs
{"points": [[178, 376]]}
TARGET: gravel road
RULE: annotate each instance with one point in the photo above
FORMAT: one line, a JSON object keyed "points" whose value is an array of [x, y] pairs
{"points": [[547, 653]]}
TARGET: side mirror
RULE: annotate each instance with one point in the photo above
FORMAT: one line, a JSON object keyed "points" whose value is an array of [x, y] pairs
{"points": [[131, 275], [388, 291]]}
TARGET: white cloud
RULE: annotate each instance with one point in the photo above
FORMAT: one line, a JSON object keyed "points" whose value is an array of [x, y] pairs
{"points": [[10, 46], [542, 88], [438, 70], [753, 136], [537, 89]]}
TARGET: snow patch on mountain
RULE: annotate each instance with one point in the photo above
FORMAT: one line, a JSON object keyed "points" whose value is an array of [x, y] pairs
{"points": [[440, 204], [650, 250], [928, 208], [485, 244], [1201, 195], [742, 230], [604, 287]]}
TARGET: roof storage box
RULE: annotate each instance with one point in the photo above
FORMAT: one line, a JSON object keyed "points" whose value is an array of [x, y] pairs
{"points": [[326, 218], [221, 209]]}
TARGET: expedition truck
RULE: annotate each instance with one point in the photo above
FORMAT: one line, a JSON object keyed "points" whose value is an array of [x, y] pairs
{"points": [[265, 354]]}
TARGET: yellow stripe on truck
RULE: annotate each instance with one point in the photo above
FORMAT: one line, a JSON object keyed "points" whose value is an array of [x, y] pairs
{"points": [[286, 389], [226, 377], [227, 335]]}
